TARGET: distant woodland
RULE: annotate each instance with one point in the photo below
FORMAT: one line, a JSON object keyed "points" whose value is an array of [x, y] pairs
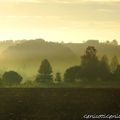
{"points": [[38, 61]]}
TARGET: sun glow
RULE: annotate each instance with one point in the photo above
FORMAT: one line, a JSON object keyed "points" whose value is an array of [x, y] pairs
{"points": [[56, 20]]}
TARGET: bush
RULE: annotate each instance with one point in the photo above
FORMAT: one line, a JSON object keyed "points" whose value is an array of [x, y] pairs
{"points": [[72, 74], [11, 78]]}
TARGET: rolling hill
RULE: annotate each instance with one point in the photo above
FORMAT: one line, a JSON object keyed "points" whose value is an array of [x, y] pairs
{"points": [[25, 56]]}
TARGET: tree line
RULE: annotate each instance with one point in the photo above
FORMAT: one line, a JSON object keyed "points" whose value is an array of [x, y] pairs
{"points": [[91, 68]]}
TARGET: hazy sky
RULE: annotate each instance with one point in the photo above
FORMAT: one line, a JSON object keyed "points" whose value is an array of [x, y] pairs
{"points": [[60, 20]]}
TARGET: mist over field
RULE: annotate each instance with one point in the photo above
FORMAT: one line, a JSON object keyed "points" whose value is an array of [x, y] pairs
{"points": [[25, 56], [65, 25]]}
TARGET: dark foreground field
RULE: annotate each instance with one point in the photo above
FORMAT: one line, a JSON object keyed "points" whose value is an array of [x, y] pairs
{"points": [[57, 104]]}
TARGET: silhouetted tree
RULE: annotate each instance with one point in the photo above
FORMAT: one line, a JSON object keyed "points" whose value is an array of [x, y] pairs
{"points": [[11, 78], [114, 42], [72, 74], [104, 68], [114, 64], [91, 52], [117, 73], [45, 72], [1, 82], [58, 77], [90, 64]]}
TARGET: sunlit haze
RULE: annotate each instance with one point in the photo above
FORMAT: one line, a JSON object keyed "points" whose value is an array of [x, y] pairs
{"points": [[60, 20]]}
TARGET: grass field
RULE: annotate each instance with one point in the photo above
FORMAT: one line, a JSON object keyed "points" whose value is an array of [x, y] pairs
{"points": [[57, 103]]}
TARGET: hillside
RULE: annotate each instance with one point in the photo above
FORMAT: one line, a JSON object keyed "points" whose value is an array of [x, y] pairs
{"points": [[25, 56], [28, 55], [102, 49]]}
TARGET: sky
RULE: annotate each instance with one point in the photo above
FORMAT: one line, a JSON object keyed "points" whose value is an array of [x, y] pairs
{"points": [[60, 20]]}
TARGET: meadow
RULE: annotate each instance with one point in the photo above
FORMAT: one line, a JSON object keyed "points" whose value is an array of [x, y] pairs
{"points": [[57, 104]]}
